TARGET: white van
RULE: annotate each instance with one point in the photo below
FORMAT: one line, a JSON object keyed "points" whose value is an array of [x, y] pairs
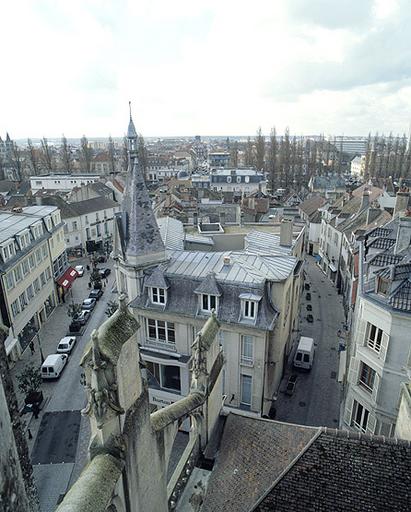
{"points": [[304, 355], [53, 366]]}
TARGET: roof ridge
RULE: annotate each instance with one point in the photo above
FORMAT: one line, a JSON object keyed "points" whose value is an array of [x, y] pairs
{"points": [[287, 469], [350, 434]]}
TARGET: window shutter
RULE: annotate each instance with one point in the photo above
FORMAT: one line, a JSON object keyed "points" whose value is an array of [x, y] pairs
{"points": [[353, 371], [349, 402], [363, 332], [375, 387], [371, 423], [384, 346]]}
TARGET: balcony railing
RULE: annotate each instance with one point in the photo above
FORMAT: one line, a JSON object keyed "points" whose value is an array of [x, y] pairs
{"points": [[246, 361], [163, 345]]}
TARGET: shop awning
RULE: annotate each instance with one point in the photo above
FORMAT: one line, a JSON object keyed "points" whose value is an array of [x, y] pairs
{"points": [[67, 278]]}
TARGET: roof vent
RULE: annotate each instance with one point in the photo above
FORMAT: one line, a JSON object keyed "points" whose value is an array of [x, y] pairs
{"points": [[227, 260]]}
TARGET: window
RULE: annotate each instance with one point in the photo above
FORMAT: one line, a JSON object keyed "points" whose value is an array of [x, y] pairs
{"points": [[48, 273], [42, 279], [249, 309], [359, 417], [158, 295], [74, 225], [86, 219], [17, 274], [246, 387], [238, 179], [15, 308], [88, 233], [228, 179], [9, 281], [247, 343], [367, 377], [36, 284], [44, 251], [32, 261], [23, 301], [208, 302], [374, 337], [30, 292], [383, 286], [167, 377], [38, 256], [98, 228], [25, 267], [160, 330]]}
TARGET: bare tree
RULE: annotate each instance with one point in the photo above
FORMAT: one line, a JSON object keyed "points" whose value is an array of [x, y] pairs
{"points": [[260, 151], [17, 162], [33, 158], [234, 154], [272, 160], [249, 154], [2, 174], [65, 155], [46, 156], [124, 155], [111, 156], [86, 154]]}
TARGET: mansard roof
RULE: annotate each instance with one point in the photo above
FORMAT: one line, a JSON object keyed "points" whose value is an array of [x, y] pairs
{"points": [[157, 279], [209, 286]]}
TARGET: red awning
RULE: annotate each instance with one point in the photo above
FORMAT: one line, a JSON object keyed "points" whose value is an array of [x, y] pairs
{"points": [[67, 278]]}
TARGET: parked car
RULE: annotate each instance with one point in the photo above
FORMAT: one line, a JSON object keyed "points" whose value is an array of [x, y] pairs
{"points": [[104, 272], [96, 294], [292, 381], [82, 317], [88, 304], [66, 344], [80, 270], [101, 258], [53, 366]]}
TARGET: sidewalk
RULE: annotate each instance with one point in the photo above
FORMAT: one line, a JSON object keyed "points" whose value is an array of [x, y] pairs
{"points": [[50, 334]]}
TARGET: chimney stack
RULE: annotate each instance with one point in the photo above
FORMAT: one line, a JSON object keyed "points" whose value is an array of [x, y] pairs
{"points": [[401, 202], [286, 233], [404, 232]]}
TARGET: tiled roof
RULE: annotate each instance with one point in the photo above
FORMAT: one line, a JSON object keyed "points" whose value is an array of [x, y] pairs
{"points": [[385, 258], [95, 204], [267, 466], [401, 298], [253, 453], [381, 243], [342, 472]]}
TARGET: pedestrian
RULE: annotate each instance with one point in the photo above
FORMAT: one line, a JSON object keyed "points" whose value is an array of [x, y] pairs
{"points": [[88, 268], [89, 285], [30, 434], [36, 410], [31, 345], [104, 283]]}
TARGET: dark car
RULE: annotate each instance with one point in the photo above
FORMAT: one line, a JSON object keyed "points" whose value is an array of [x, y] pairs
{"points": [[95, 294], [104, 272], [88, 304], [101, 259], [292, 381], [82, 317]]}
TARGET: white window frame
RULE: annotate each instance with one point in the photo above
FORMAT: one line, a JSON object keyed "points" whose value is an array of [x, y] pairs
{"points": [[156, 326], [374, 344], [242, 401], [18, 275], [365, 417], [363, 384], [158, 295], [15, 308], [245, 357], [249, 307], [9, 279], [209, 300]]}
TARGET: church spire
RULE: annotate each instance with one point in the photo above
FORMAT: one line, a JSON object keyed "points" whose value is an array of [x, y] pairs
{"points": [[144, 244]]}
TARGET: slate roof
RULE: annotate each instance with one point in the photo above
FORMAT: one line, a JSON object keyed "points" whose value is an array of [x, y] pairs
{"points": [[266, 466], [350, 473], [172, 233], [95, 204], [209, 286], [260, 242], [157, 279], [311, 205], [401, 298]]}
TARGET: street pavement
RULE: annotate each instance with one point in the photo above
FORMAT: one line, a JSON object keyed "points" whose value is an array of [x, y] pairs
{"points": [[58, 439], [316, 399]]}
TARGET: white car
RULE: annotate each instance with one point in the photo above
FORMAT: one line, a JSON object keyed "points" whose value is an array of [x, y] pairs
{"points": [[80, 270], [66, 344]]}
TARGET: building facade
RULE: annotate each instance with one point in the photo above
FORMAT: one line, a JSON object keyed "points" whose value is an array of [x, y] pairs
{"points": [[32, 259], [62, 182], [381, 345]]}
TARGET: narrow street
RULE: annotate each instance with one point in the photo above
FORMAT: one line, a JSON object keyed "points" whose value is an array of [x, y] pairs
{"points": [[316, 399], [60, 435]]}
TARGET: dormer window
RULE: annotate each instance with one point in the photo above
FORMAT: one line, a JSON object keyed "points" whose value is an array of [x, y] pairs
{"points": [[250, 308], [383, 286], [158, 295], [208, 302]]}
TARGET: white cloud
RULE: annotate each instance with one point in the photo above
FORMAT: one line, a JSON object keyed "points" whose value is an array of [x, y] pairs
{"points": [[204, 67]]}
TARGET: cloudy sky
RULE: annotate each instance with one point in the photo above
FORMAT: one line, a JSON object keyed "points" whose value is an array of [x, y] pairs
{"points": [[209, 67]]}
